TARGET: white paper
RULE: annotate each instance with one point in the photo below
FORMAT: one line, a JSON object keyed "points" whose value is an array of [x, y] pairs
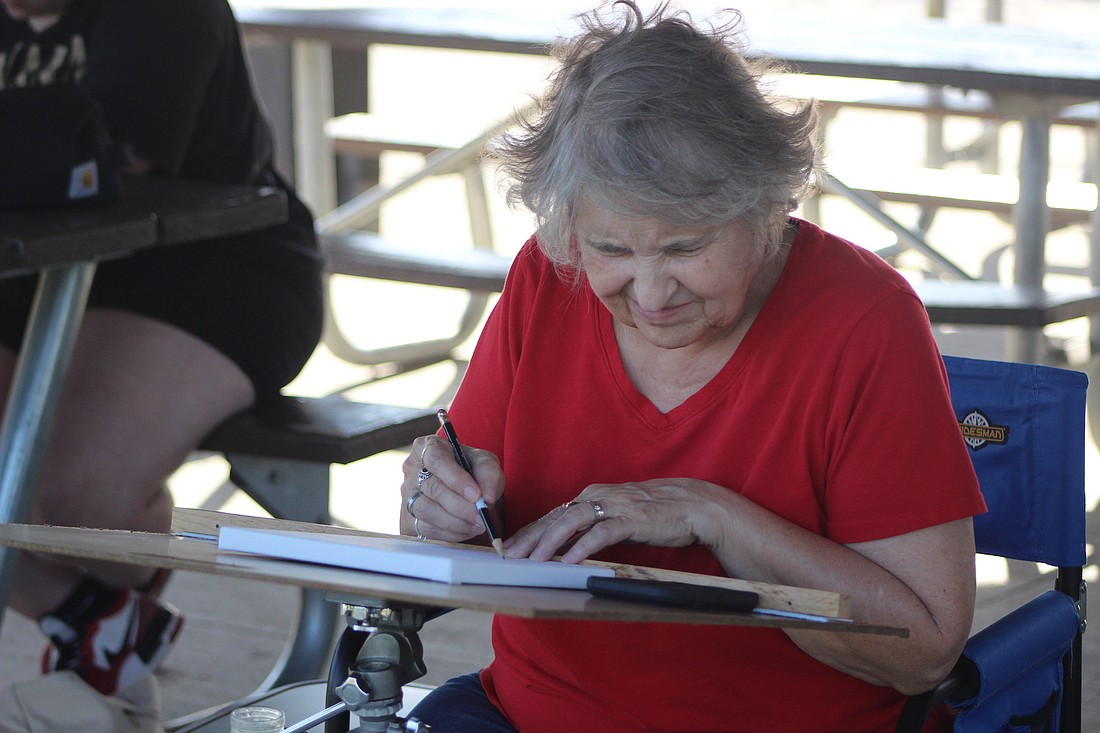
{"points": [[408, 557]]}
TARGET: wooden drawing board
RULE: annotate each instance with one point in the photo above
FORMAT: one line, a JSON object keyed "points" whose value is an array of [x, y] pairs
{"points": [[198, 555]]}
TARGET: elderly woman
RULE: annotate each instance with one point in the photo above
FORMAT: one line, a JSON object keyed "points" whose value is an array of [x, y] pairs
{"points": [[680, 375]]}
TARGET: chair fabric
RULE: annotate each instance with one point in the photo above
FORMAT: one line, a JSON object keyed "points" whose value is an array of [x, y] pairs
{"points": [[1020, 668], [1025, 427]]}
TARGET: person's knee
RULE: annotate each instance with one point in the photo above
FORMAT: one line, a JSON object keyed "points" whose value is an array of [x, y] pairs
{"points": [[460, 705], [86, 499]]}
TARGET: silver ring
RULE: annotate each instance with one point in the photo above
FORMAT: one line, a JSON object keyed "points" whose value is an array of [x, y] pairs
{"points": [[423, 476], [412, 500], [598, 511], [416, 528]]}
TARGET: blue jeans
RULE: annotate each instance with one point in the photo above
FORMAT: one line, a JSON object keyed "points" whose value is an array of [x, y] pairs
{"points": [[460, 705]]}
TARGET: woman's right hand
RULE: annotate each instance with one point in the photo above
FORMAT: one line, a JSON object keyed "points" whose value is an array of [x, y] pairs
{"points": [[444, 504]]}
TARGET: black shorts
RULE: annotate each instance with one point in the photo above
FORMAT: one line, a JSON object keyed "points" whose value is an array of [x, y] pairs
{"points": [[257, 298]]}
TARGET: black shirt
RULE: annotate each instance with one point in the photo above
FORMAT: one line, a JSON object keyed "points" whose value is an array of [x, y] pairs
{"points": [[170, 76]]}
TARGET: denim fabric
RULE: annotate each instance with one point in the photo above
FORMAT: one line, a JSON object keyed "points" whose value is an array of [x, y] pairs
{"points": [[461, 706]]}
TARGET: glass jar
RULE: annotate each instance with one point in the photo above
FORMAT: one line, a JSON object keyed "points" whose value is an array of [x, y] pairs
{"points": [[256, 719]]}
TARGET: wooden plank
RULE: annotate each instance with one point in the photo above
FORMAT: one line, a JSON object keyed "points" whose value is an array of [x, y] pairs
{"points": [[1069, 201], [994, 57], [991, 57], [992, 304], [193, 211], [32, 242], [324, 430], [159, 550], [150, 212], [367, 255], [505, 30], [369, 134], [834, 93], [1085, 114], [837, 92], [960, 302], [772, 596]]}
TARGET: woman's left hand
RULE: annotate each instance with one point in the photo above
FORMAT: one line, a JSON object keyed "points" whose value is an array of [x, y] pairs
{"points": [[664, 512]]}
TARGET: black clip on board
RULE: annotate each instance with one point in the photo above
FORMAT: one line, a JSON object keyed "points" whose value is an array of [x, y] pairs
{"points": [[671, 593]]}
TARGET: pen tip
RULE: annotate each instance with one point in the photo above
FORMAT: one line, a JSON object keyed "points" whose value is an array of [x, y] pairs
{"points": [[498, 545]]}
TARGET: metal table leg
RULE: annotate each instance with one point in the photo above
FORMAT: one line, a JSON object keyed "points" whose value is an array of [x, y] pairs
{"points": [[1032, 221], [39, 374]]}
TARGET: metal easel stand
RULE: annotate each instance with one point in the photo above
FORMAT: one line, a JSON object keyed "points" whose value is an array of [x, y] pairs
{"points": [[378, 652]]}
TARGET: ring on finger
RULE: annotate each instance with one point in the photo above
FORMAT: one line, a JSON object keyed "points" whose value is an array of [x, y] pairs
{"points": [[423, 476], [598, 511], [416, 528], [412, 500], [559, 510]]}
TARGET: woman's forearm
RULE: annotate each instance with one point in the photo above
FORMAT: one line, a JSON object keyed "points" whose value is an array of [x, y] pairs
{"points": [[922, 581]]}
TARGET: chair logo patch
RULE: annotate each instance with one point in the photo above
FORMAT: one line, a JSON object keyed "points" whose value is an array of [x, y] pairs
{"points": [[978, 431]]}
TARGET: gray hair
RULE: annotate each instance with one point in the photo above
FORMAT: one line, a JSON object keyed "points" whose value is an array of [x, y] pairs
{"points": [[656, 117]]}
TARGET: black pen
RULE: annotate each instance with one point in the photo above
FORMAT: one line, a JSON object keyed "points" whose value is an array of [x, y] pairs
{"points": [[460, 457]]}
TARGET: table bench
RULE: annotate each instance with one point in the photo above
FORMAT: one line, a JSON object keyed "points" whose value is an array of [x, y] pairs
{"points": [[958, 302], [370, 134], [447, 150], [836, 93], [365, 254], [280, 455], [1069, 202], [984, 303], [933, 187]]}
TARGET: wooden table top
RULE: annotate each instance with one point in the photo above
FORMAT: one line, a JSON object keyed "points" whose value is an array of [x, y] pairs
{"points": [[993, 304], [989, 56], [151, 212]]}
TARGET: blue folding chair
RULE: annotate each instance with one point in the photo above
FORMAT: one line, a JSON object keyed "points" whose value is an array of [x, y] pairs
{"points": [[1025, 427]]}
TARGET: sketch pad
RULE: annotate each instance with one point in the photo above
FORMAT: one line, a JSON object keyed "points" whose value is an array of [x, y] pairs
{"points": [[407, 557]]}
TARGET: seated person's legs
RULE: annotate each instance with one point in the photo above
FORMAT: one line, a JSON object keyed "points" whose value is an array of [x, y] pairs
{"points": [[174, 341], [460, 705], [140, 394]]}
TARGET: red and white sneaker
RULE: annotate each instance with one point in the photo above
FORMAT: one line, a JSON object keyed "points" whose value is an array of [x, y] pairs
{"points": [[123, 643]]}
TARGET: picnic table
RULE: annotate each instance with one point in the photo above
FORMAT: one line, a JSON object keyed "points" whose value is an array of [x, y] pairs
{"points": [[1030, 74]]}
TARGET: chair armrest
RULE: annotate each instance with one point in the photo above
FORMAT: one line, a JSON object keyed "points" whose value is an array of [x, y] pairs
{"points": [[1011, 670], [962, 682]]}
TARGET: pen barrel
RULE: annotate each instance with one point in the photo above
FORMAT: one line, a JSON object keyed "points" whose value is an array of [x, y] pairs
{"points": [[461, 459], [452, 438]]}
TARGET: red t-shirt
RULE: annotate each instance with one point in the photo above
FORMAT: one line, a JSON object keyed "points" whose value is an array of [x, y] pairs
{"points": [[833, 413]]}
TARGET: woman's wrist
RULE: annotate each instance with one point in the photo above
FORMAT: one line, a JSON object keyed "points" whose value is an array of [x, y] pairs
{"points": [[712, 518]]}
